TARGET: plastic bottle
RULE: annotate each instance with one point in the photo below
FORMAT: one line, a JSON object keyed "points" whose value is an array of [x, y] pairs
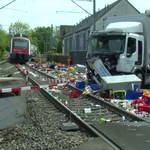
{"points": [[123, 118], [104, 120]]}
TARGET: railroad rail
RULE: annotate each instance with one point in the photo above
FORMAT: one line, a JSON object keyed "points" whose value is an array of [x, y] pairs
{"points": [[105, 109], [41, 129], [80, 122], [86, 111]]}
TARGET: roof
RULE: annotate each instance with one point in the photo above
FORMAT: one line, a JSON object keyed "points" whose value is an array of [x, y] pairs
{"points": [[65, 29], [86, 23]]}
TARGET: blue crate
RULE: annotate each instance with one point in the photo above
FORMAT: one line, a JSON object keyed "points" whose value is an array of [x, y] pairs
{"points": [[81, 85], [94, 87]]}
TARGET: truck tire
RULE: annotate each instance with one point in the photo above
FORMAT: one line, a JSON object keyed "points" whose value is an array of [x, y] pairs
{"points": [[140, 75]]}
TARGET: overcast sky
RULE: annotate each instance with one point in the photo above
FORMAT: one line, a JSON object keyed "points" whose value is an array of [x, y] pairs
{"points": [[56, 12]]}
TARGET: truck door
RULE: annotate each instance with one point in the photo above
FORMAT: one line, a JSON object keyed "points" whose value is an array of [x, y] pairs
{"points": [[131, 54]]}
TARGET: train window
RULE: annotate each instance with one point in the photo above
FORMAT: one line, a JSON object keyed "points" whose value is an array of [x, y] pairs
{"points": [[21, 43]]}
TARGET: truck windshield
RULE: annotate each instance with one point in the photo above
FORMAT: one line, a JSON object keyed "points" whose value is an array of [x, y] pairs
{"points": [[107, 44]]}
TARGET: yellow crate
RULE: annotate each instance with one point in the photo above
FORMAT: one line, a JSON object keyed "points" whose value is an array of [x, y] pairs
{"points": [[120, 94], [71, 69], [147, 91]]}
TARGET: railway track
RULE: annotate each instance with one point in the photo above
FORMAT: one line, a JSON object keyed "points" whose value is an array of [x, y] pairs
{"points": [[92, 101], [41, 129], [65, 109], [76, 108]]}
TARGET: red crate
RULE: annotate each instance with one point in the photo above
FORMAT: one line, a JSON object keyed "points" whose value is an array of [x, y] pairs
{"points": [[145, 108]]}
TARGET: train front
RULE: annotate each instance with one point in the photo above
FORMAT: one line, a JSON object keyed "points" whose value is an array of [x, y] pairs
{"points": [[20, 49]]}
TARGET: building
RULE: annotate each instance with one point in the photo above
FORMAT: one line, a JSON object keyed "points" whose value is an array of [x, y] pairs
{"points": [[63, 30], [74, 41]]}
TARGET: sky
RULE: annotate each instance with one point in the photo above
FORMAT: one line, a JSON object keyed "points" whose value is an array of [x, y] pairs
{"points": [[54, 12]]}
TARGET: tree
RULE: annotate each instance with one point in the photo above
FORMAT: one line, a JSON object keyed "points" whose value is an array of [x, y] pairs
{"points": [[43, 36], [56, 39], [59, 46], [4, 42], [56, 36], [24, 28], [19, 27], [33, 40]]}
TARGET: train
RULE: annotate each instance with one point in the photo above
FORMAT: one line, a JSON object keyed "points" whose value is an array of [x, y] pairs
{"points": [[20, 48]]}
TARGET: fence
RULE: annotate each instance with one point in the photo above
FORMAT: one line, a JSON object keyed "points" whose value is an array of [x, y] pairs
{"points": [[78, 57]]}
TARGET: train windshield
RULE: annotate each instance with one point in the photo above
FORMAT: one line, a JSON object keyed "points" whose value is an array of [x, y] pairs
{"points": [[107, 44], [20, 43]]}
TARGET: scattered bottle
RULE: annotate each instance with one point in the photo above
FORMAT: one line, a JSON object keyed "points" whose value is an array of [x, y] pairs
{"points": [[104, 120], [123, 118]]}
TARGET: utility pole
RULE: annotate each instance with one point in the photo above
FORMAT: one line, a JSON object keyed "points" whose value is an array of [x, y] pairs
{"points": [[94, 19], [51, 42], [9, 36], [46, 42]]}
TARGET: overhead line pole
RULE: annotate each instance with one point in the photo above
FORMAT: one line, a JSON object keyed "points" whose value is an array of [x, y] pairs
{"points": [[51, 42], [94, 17], [46, 42]]}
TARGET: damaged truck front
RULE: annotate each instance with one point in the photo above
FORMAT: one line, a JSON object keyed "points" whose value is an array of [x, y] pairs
{"points": [[123, 47]]}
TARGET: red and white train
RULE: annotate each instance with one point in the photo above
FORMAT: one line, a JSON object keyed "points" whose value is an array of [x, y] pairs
{"points": [[20, 48]]}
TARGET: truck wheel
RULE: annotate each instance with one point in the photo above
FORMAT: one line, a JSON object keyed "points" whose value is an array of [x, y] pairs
{"points": [[140, 75]]}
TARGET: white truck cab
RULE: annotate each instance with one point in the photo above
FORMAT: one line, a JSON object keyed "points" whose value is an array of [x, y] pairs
{"points": [[133, 55], [123, 45]]}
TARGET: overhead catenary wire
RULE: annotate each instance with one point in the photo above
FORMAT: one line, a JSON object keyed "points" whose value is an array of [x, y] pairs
{"points": [[15, 9], [81, 7], [29, 8], [54, 12], [7, 4], [65, 12], [23, 8], [69, 12], [56, 19]]}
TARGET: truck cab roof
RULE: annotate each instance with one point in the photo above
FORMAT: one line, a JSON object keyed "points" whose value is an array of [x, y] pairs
{"points": [[108, 33]]}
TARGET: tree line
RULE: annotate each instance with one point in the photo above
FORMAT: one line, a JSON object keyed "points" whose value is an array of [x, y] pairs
{"points": [[46, 39]]}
